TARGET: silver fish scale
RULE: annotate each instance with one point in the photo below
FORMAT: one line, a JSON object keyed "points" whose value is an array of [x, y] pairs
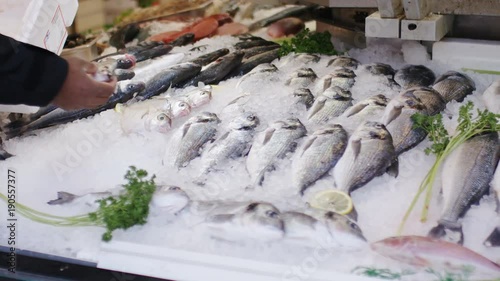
{"points": [[403, 134], [467, 174], [262, 157], [189, 148], [331, 108]]}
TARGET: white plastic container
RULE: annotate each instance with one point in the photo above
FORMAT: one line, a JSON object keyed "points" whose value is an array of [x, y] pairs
{"points": [[41, 23]]}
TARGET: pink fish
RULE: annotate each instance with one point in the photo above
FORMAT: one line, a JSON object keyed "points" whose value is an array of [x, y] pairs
{"points": [[427, 252]]}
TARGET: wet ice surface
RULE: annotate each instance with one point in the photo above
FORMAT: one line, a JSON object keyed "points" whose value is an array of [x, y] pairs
{"points": [[93, 155]]}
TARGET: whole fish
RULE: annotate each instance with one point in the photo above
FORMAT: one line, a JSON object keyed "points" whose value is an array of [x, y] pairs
{"points": [[183, 40], [190, 139], [429, 97], [248, 64], [370, 109], [341, 77], [493, 239], [248, 44], [124, 35], [123, 93], [454, 86], [157, 51], [397, 119], [369, 154], [300, 226], [343, 62], [466, 176], [381, 69], [171, 76], [414, 76], [132, 50], [258, 50], [427, 252], [234, 143], [304, 96], [169, 199], [318, 155], [261, 71], [301, 78], [272, 144], [174, 108], [297, 59], [206, 59], [216, 71], [146, 71], [491, 97], [149, 120], [198, 97], [331, 103], [344, 230], [258, 220]]}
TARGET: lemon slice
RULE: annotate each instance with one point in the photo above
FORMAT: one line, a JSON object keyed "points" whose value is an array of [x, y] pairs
{"points": [[332, 200]]}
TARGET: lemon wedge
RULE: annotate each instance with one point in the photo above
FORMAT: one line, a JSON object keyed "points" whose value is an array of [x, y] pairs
{"points": [[332, 200]]}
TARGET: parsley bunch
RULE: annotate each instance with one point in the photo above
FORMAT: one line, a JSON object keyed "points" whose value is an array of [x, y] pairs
{"points": [[443, 144], [309, 42]]}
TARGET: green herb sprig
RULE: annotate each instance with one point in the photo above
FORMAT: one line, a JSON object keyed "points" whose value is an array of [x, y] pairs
{"points": [[443, 145], [308, 42], [128, 209]]}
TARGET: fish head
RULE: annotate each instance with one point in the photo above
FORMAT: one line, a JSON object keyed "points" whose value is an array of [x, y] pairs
{"points": [[134, 87], [337, 93], [124, 74], [263, 215], [378, 100], [344, 230], [331, 129], [170, 198], [293, 124], [373, 130], [381, 69], [179, 108], [343, 73], [305, 58], [303, 93], [304, 72], [201, 96], [247, 121], [126, 62], [343, 61], [206, 117], [159, 121]]}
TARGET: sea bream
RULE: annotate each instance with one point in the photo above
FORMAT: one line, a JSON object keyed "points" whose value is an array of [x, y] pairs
{"points": [[467, 173], [147, 116], [397, 118], [343, 62], [260, 72], [414, 76], [272, 144], [301, 78], [234, 143], [258, 220], [341, 77], [331, 103], [318, 154], [454, 86], [430, 98], [439, 255], [304, 96], [248, 64], [298, 59], [190, 138], [369, 153], [370, 109]]}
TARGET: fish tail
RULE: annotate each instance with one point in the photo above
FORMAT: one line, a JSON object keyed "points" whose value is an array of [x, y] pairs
{"points": [[494, 239], [447, 233], [4, 155]]}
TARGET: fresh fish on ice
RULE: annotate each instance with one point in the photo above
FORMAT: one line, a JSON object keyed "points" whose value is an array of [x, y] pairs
{"points": [[143, 72], [454, 86], [467, 173], [304, 96], [331, 103], [318, 154], [299, 59], [341, 77], [198, 97], [301, 226], [430, 253], [169, 199], [414, 76], [397, 119], [248, 64], [154, 52], [343, 62], [190, 139], [254, 43], [301, 78], [381, 69], [260, 72], [145, 119], [258, 220], [258, 50], [345, 231], [491, 97], [369, 154], [206, 59], [370, 109], [272, 144], [429, 97], [123, 74], [234, 143]]}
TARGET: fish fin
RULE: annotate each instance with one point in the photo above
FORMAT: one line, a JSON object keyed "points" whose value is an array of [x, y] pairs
{"points": [[493, 239], [185, 129], [224, 136], [15, 124], [62, 198], [4, 155], [447, 233], [316, 107], [393, 169], [307, 144], [393, 113], [268, 135], [16, 132], [355, 109], [356, 147]]}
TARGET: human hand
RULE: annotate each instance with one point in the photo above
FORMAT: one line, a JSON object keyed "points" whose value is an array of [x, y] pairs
{"points": [[80, 90]]}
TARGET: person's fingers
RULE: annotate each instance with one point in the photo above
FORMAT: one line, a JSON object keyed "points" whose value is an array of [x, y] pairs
{"points": [[104, 89], [89, 67]]}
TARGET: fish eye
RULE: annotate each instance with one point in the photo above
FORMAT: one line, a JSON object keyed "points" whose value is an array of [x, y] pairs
{"points": [[353, 226], [251, 118], [272, 214], [174, 188], [162, 117]]}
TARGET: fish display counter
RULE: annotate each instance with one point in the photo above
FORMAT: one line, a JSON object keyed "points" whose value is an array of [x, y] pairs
{"points": [[247, 144]]}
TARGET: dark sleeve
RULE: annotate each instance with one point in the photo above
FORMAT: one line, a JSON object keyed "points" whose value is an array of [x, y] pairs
{"points": [[28, 74]]}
